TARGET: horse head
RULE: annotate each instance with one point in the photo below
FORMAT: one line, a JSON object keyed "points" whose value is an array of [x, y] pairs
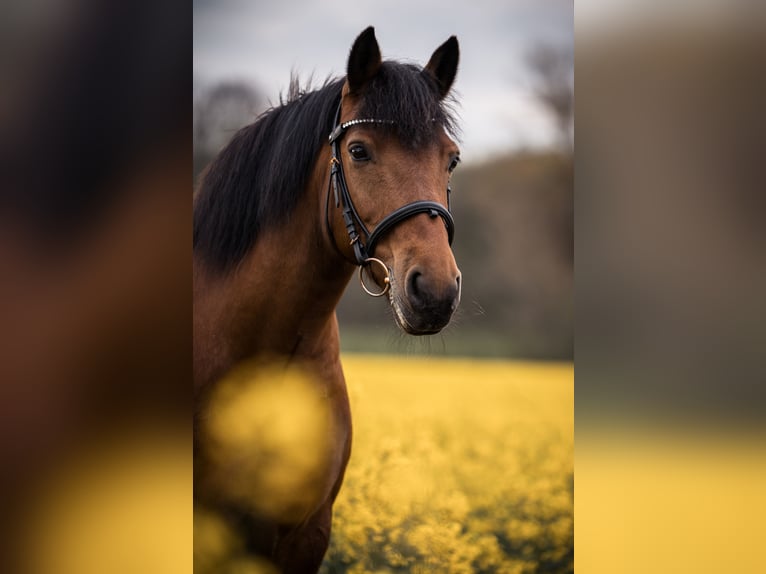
{"points": [[394, 155]]}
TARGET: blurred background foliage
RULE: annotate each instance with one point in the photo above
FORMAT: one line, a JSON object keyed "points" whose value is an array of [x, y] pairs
{"points": [[514, 240]]}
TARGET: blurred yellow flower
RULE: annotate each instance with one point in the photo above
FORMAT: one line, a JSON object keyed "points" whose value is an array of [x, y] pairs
{"points": [[267, 438]]}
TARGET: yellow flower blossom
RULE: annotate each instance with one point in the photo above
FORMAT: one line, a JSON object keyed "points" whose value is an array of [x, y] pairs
{"points": [[458, 466]]}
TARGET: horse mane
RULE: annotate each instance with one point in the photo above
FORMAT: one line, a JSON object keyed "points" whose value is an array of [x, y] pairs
{"points": [[258, 178]]}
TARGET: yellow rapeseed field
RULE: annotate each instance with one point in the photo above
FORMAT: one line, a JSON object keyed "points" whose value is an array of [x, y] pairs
{"points": [[458, 466]]}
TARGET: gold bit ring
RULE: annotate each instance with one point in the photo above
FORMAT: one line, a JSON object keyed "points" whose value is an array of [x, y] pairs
{"points": [[386, 280]]}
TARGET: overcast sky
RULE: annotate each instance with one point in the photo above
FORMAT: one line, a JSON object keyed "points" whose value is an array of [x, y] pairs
{"points": [[261, 42]]}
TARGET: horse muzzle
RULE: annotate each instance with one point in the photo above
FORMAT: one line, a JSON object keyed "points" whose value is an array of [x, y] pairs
{"points": [[427, 304]]}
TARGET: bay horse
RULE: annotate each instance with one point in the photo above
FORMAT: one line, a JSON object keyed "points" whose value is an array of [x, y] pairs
{"points": [[353, 174]]}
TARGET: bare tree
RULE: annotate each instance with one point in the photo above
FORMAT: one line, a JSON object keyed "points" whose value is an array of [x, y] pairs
{"points": [[553, 81], [219, 111]]}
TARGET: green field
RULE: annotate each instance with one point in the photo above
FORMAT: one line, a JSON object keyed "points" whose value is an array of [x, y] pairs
{"points": [[458, 465]]}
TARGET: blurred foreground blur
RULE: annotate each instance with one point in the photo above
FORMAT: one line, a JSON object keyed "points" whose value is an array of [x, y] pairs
{"points": [[671, 246], [95, 321], [262, 448], [121, 504], [671, 273]]}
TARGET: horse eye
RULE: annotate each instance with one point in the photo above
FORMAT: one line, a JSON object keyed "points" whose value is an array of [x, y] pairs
{"points": [[453, 164], [358, 152]]}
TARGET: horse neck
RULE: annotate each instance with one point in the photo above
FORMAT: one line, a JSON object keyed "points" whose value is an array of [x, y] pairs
{"points": [[280, 301]]}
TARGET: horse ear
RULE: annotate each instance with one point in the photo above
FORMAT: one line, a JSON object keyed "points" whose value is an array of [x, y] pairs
{"points": [[443, 65], [364, 60]]}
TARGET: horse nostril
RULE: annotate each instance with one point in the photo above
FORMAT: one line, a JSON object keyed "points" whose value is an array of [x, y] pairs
{"points": [[414, 287], [425, 295]]}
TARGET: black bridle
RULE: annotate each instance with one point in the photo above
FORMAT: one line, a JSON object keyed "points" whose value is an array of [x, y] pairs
{"points": [[365, 249]]}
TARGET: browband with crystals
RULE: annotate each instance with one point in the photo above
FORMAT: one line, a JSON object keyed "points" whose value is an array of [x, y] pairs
{"points": [[336, 133]]}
